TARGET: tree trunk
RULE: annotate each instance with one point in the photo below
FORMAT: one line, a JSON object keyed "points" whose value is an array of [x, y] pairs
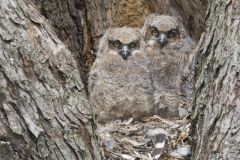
{"points": [[68, 19], [217, 104], [192, 13], [43, 107]]}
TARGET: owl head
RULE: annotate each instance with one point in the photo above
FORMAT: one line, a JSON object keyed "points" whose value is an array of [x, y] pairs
{"points": [[124, 42], [162, 31]]}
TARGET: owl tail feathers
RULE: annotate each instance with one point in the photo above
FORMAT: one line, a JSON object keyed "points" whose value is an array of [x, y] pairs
{"points": [[159, 135]]}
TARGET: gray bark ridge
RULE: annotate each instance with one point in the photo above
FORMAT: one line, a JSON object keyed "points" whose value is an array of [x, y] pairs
{"points": [[68, 19], [44, 113], [217, 104]]}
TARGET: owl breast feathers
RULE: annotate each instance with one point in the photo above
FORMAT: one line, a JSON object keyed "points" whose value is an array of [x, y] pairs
{"points": [[168, 48], [119, 81]]}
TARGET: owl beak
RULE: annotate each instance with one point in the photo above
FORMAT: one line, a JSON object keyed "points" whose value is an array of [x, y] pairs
{"points": [[125, 53], [162, 40]]}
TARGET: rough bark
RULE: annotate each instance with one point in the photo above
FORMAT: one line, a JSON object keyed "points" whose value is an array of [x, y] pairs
{"points": [[68, 19], [44, 113], [217, 104], [192, 13]]}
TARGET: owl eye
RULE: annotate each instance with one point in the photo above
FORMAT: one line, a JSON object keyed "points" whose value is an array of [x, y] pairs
{"points": [[116, 43], [171, 34], [132, 44], [154, 32]]}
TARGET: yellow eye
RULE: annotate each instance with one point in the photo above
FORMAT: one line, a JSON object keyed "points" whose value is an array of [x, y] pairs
{"points": [[154, 32], [116, 43], [132, 44]]}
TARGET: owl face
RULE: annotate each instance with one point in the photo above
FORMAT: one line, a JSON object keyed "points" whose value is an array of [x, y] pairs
{"points": [[123, 42], [157, 36], [162, 31], [124, 49]]}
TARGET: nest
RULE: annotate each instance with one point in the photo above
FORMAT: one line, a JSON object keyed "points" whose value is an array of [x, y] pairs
{"points": [[127, 140]]}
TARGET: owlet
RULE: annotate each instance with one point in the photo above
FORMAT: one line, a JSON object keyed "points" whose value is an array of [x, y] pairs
{"points": [[119, 81], [169, 48]]}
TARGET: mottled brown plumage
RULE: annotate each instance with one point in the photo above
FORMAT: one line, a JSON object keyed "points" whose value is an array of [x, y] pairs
{"points": [[119, 85], [169, 48]]}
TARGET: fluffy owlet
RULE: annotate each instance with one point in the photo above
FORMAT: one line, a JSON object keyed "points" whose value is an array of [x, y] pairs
{"points": [[169, 48], [119, 81]]}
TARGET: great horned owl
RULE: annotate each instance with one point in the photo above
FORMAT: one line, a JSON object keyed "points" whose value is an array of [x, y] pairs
{"points": [[169, 48], [119, 81]]}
